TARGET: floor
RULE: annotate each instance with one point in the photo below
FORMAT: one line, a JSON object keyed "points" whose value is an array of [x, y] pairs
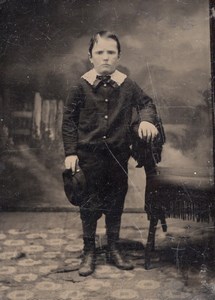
{"points": [[40, 254]]}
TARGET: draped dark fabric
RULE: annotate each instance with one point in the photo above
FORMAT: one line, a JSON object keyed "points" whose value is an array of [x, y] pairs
{"points": [[179, 196]]}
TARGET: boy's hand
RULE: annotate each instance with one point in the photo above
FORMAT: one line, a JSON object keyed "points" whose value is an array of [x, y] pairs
{"points": [[71, 162], [147, 131]]}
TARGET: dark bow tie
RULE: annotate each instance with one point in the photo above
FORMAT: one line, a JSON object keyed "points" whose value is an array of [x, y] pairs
{"points": [[104, 79]]}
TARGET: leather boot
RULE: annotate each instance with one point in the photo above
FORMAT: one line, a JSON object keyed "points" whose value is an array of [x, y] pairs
{"points": [[87, 265], [116, 258]]}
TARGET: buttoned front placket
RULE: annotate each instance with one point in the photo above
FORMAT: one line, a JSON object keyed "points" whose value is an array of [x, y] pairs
{"points": [[105, 91]]}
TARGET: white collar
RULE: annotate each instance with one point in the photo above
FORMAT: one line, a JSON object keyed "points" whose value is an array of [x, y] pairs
{"points": [[117, 76]]}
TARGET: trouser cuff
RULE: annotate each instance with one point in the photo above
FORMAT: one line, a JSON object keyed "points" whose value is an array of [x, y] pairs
{"points": [[89, 244]]}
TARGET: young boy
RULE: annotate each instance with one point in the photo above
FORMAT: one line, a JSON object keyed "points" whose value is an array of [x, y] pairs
{"points": [[96, 135]]}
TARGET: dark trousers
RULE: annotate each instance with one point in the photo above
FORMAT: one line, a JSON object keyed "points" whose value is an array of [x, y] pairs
{"points": [[106, 173]]}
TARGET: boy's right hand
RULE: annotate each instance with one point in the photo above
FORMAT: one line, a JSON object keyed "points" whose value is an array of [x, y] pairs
{"points": [[71, 162]]}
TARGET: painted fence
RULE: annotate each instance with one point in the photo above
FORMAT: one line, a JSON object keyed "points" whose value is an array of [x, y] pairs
{"points": [[44, 120]]}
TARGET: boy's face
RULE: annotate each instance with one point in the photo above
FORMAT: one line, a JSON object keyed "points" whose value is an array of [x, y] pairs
{"points": [[105, 56]]}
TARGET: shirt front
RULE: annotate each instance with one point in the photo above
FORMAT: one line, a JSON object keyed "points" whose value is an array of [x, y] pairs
{"points": [[95, 116]]}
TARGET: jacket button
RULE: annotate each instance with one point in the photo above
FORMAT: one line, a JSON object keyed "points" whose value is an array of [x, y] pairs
{"points": [[105, 84], [104, 137], [106, 100], [106, 117]]}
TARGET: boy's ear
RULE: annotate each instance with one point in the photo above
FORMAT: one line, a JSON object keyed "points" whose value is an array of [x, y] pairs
{"points": [[90, 57]]}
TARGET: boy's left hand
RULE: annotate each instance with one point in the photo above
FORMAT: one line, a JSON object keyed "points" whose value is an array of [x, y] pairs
{"points": [[147, 131]]}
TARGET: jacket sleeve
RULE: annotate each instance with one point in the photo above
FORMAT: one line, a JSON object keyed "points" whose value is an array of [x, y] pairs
{"points": [[71, 120], [144, 108]]}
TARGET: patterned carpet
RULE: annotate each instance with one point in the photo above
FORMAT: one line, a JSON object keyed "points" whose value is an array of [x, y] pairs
{"points": [[40, 262]]}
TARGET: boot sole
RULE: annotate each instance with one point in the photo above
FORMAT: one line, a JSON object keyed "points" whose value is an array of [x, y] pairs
{"points": [[86, 273]]}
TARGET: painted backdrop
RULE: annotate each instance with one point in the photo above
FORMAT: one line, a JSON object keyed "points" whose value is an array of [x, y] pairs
{"points": [[165, 48]]}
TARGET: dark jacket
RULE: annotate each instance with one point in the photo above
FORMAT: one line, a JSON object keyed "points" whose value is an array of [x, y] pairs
{"points": [[92, 116]]}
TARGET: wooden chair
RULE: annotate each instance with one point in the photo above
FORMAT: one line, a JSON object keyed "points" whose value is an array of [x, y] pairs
{"points": [[184, 194]]}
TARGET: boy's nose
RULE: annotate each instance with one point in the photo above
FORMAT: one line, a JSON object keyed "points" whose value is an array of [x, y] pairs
{"points": [[105, 56]]}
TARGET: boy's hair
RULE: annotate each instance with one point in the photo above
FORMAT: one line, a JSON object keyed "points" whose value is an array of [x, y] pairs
{"points": [[104, 34]]}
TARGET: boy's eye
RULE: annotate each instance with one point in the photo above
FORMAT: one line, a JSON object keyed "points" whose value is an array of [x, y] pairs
{"points": [[108, 52]]}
